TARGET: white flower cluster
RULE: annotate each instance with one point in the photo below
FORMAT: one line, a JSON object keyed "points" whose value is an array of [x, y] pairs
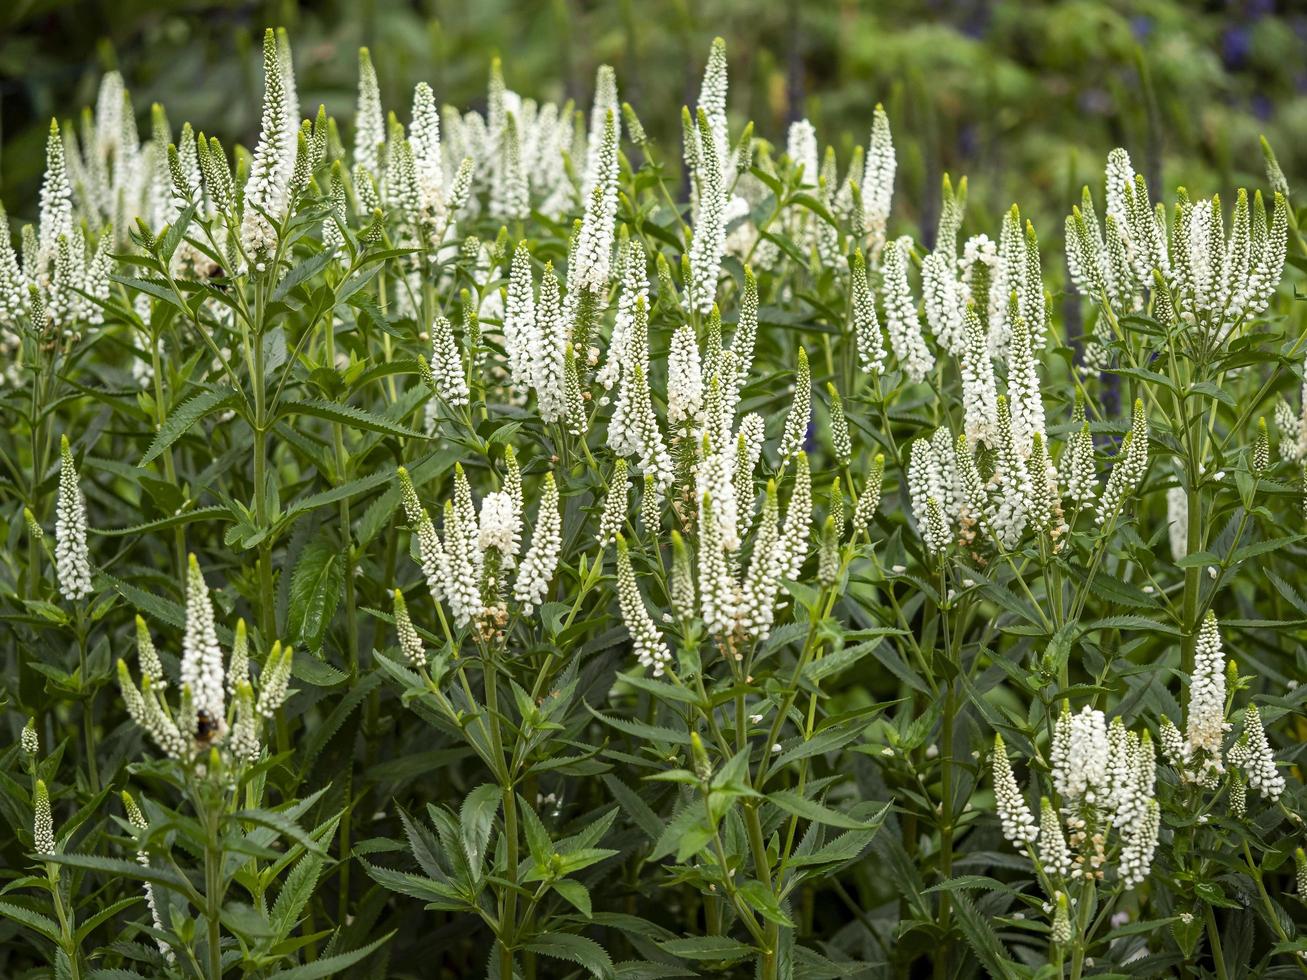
{"points": [[42, 820], [1104, 777], [463, 568], [204, 718], [1210, 280], [72, 558], [650, 647], [1014, 815], [1199, 754]]}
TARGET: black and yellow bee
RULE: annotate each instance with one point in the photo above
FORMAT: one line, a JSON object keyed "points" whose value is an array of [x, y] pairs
{"points": [[206, 727]]}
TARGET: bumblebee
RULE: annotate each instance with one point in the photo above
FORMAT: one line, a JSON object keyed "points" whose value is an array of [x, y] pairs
{"points": [[206, 728]]}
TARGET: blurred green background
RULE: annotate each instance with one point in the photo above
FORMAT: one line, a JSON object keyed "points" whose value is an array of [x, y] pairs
{"points": [[1024, 97]]}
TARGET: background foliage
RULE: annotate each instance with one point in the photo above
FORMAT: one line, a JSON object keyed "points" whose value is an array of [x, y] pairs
{"points": [[1027, 97]]}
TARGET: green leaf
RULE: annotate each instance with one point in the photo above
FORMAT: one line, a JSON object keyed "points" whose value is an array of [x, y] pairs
{"points": [[707, 948], [800, 806], [638, 729], [575, 949], [173, 520], [315, 589], [185, 415], [982, 938], [576, 894], [330, 966], [294, 895], [476, 821], [760, 898], [33, 920], [348, 415]]}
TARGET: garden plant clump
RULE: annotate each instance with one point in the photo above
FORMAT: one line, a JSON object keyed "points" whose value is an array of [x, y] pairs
{"points": [[457, 543]]}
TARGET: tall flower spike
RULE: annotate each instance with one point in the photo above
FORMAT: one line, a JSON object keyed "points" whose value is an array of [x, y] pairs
{"points": [[1060, 932], [1253, 755], [615, 505], [56, 208], [878, 180], [202, 668], [238, 666], [497, 527], [709, 241], [796, 423], [1014, 816], [541, 560], [980, 393], [1077, 471], [431, 554], [274, 682], [369, 121], [72, 559], [591, 265], [1045, 501], [410, 644], [1053, 852], [424, 136], [1129, 468], [757, 606], [447, 364], [1205, 724], [944, 294], [549, 349], [798, 518], [635, 285], [605, 104], [901, 318], [681, 581], [748, 450], [746, 329], [42, 820], [1024, 396], [510, 194], [267, 189], [712, 97], [865, 509], [244, 738], [841, 444], [1140, 843], [650, 649], [147, 656], [717, 587], [685, 388]]}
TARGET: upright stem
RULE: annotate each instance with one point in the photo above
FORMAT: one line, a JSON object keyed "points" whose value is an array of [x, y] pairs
{"points": [[508, 915], [267, 611], [1214, 937], [213, 896], [169, 468], [88, 709], [946, 784], [762, 868], [66, 930]]}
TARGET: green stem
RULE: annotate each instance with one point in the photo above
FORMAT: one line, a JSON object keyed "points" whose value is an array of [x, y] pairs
{"points": [[1214, 937], [762, 869], [88, 710], [213, 899], [508, 913]]}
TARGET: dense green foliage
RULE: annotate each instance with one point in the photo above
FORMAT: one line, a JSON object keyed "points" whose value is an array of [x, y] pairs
{"points": [[485, 557]]}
